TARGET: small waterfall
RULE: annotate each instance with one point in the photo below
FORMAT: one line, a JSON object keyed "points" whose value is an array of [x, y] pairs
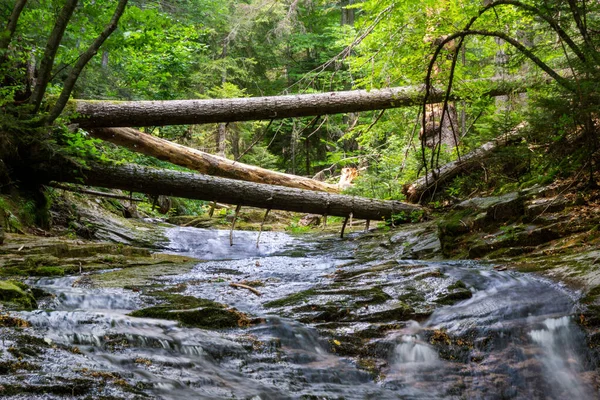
{"points": [[559, 357], [414, 352]]}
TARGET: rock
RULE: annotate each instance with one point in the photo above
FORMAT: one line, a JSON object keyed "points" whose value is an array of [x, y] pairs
{"points": [[541, 206], [497, 208], [16, 295], [193, 311], [310, 220]]}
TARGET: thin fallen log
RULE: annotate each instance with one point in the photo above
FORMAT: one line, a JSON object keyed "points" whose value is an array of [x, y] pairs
{"points": [[344, 226], [235, 217], [95, 114], [203, 162], [417, 191], [242, 286], [261, 226], [93, 192], [202, 187]]}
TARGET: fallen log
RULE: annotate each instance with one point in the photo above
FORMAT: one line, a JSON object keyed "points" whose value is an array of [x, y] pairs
{"points": [[94, 193], [96, 114], [416, 191], [204, 162], [203, 187]]}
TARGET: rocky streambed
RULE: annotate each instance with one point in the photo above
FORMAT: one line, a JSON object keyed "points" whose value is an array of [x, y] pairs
{"points": [[316, 317]]}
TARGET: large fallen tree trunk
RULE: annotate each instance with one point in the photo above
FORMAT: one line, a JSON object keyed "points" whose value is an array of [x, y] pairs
{"points": [[204, 162], [94, 114], [416, 192], [203, 187]]}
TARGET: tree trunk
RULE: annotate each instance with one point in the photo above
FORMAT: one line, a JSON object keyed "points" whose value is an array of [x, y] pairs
{"points": [[221, 139], [204, 187], [204, 162], [416, 191], [95, 114]]}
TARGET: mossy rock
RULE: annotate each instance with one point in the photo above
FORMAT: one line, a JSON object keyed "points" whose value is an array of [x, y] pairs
{"points": [[195, 312], [38, 260], [401, 312], [292, 299], [456, 223], [15, 295], [48, 271], [455, 296]]}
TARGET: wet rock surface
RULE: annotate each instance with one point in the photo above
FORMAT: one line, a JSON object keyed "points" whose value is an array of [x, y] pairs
{"points": [[376, 314], [330, 322]]}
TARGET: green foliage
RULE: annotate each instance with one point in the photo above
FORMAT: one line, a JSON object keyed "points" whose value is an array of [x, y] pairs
{"points": [[220, 49]]}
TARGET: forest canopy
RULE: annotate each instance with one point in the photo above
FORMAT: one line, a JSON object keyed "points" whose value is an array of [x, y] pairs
{"points": [[204, 49]]}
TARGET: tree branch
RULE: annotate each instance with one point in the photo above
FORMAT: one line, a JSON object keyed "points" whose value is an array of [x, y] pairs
{"points": [[462, 35], [69, 83], [563, 35], [581, 26], [11, 26], [50, 53]]}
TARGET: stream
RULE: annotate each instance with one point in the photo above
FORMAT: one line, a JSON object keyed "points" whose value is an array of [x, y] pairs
{"points": [[514, 338]]}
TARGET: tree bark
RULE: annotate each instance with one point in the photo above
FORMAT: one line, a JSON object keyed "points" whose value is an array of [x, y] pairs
{"points": [[11, 26], [95, 114], [416, 192], [45, 71], [203, 187], [204, 162]]}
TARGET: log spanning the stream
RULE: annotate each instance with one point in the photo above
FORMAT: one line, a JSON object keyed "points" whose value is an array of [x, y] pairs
{"points": [[203, 162], [417, 191], [96, 114], [203, 187]]}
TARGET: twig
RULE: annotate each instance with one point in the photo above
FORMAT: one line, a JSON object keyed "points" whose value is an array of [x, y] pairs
{"points": [[261, 226], [237, 212], [242, 286]]}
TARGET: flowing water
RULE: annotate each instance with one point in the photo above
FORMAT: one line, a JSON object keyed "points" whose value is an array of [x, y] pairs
{"points": [[513, 339]]}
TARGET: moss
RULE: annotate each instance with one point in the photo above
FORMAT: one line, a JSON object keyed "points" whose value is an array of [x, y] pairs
{"points": [[291, 299], [7, 320], [193, 311], [136, 276], [14, 295], [374, 295], [35, 261], [72, 387], [457, 285], [343, 275], [412, 296], [456, 223], [401, 312], [10, 367], [48, 271], [591, 295], [453, 297]]}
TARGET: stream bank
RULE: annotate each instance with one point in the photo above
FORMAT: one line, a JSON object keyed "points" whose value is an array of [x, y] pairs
{"points": [[379, 313]]}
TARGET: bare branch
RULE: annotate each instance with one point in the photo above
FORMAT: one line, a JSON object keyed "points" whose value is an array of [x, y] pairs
{"points": [[581, 26], [69, 83], [461, 35], [563, 35], [50, 53], [11, 26]]}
